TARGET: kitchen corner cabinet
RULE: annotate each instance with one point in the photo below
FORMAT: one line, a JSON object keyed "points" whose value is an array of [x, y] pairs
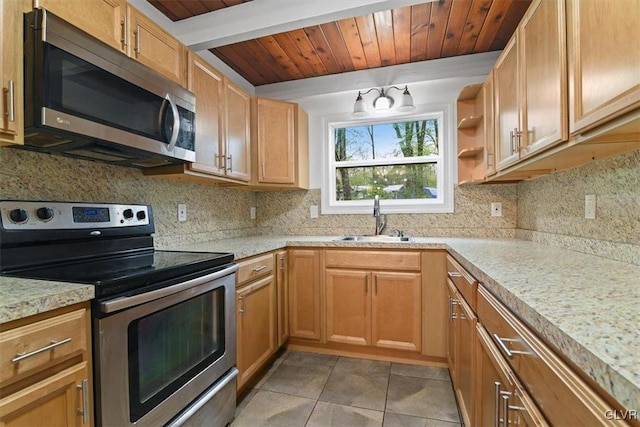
{"points": [[304, 294], [12, 96], [45, 371], [256, 322], [530, 82], [280, 141], [365, 306], [282, 292], [104, 20], [222, 124], [604, 61]]}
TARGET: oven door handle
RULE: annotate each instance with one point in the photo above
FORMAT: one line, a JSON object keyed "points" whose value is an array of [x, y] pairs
{"points": [[126, 302]]}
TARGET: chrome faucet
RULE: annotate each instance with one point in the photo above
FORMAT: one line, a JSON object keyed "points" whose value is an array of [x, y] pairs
{"points": [[381, 220]]}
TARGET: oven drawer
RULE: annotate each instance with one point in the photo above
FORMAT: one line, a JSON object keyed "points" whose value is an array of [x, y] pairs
{"points": [[563, 397], [254, 268], [465, 282], [41, 344], [374, 260]]}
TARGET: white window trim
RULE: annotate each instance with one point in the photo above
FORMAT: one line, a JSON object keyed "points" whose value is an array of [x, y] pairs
{"points": [[445, 174]]}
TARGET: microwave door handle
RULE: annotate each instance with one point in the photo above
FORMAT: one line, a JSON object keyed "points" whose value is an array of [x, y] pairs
{"points": [[176, 123]]}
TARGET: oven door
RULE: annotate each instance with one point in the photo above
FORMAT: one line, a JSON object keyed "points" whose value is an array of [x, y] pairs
{"points": [[163, 349]]}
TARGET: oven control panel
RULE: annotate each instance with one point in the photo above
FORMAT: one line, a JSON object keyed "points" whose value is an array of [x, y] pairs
{"points": [[32, 215]]}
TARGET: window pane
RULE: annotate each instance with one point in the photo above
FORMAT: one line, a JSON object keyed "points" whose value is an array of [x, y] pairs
{"points": [[387, 141], [414, 181]]}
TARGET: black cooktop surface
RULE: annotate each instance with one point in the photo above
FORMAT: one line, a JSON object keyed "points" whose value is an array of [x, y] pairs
{"points": [[128, 274]]}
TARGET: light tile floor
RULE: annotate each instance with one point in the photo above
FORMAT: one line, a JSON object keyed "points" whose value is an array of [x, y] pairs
{"points": [[318, 390]]}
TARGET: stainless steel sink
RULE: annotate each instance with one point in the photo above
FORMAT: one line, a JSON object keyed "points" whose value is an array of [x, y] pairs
{"points": [[381, 239]]}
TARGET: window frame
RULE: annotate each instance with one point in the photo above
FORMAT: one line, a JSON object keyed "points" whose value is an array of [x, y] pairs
{"points": [[446, 170]]}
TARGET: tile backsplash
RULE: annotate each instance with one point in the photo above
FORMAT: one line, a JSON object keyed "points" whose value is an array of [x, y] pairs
{"points": [[212, 212], [551, 208]]}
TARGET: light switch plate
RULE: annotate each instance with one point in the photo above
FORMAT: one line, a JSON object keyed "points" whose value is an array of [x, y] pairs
{"points": [[313, 212], [182, 212], [590, 206], [252, 212]]}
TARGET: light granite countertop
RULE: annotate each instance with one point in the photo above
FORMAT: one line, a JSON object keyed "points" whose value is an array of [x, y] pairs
{"points": [[586, 306], [24, 297]]}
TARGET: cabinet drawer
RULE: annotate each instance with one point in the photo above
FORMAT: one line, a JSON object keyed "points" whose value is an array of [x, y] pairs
{"points": [[562, 396], [375, 260], [42, 344], [254, 268], [465, 282]]}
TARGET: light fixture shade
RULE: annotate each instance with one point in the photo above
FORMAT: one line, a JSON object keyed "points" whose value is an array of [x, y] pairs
{"points": [[359, 109], [406, 101], [382, 103]]}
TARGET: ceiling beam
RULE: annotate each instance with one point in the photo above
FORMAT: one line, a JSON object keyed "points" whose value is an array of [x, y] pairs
{"points": [[260, 18], [479, 64]]}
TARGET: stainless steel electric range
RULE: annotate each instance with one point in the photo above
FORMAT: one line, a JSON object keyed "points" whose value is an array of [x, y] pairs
{"points": [[163, 321]]}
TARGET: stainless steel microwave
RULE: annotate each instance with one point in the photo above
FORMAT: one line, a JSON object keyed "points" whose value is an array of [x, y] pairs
{"points": [[85, 99]]}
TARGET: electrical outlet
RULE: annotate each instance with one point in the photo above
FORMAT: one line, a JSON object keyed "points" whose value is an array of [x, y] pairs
{"points": [[182, 212], [496, 209], [313, 212], [252, 212], [590, 206]]}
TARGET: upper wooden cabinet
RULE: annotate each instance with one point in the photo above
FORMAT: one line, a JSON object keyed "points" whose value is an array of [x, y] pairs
{"points": [[154, 47], [11, 72], [280, 144], [124, 28], [104, 19], [530, 85], [604, 61], [223, 146]]}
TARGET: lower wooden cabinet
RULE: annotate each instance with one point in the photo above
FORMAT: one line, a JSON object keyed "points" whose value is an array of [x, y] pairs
{"points": [[255, 326], [59, 400], [45, 369], [304, 294]]}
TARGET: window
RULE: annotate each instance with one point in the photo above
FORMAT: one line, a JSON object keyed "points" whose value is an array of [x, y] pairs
{"points": [[403, 161]]}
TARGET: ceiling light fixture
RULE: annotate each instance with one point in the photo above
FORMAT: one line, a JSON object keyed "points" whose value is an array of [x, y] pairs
{"points": [[383, 101]]}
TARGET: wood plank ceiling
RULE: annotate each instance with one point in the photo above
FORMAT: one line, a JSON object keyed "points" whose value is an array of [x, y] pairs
{"points": [[416, 33]]}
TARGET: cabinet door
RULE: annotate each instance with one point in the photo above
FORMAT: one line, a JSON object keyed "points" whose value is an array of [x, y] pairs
{"points": [[604, 59], [11, 101], [498, 395], [506, 100], [397, 311], [452, 326], [275, 141], [543, 72], [283, 297], [304, 294], [154, 47], [489, 128], [256, 326], [104, 19], [348, 294], [207, 85], [465, 342], [236, 126], [58, 400]]}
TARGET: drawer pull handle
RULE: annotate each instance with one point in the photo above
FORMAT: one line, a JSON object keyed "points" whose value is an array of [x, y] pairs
{"points": [[241, 310], [505, 408], [11, 101], [452, 302], [505, 349], [84, 411], [21, 356], [496, 407], [257, 269], [453, 274]]}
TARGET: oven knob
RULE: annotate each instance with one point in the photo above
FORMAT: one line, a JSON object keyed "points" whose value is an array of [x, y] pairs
{"points": [[127, 213], [44, 214], [141, 215], [18, 216]]}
